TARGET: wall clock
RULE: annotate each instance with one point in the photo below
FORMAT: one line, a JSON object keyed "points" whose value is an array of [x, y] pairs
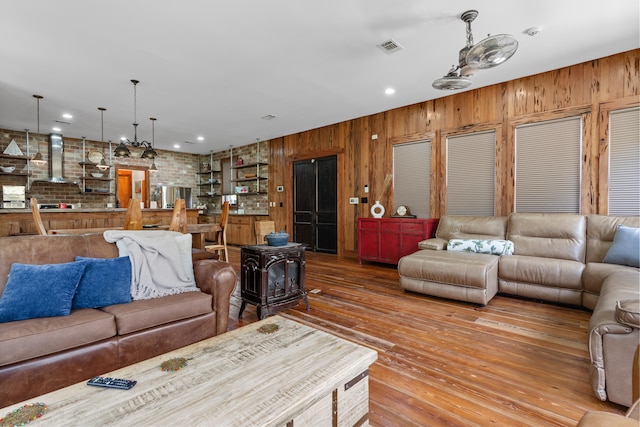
{"points": [[403, 211]]}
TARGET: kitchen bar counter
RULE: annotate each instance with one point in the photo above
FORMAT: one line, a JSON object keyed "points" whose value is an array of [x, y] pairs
{"points": [[20, 221]]}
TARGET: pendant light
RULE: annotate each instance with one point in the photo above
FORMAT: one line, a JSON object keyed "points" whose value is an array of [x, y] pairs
{"points": [[149, 152], [103, 166], [153, 167], [122, 150], [38, 159]]}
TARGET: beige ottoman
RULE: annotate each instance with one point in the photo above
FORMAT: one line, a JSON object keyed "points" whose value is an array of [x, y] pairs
{"points": [[463, 276]]}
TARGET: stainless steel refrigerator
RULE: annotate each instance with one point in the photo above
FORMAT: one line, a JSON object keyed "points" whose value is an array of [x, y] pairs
{"points": [[166, 196]]}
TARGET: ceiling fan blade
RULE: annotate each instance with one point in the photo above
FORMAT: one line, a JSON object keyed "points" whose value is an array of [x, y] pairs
{"points": [[492, 51]]}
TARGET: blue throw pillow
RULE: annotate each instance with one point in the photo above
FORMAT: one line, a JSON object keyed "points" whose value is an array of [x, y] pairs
{"points": [[39, 290], [625, 249], [106, 281]]}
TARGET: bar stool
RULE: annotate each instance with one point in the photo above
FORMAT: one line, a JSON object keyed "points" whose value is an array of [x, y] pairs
{"points": [[221, 246]]}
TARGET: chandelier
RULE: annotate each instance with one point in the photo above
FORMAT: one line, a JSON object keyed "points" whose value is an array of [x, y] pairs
{"points": [[122, 150]]}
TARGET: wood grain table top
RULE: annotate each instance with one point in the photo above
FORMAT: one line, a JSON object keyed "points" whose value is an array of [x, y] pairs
{"points": [[241, 378]]}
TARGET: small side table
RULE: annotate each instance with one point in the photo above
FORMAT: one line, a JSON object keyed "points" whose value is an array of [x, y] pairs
{"points": [[272, 277]]}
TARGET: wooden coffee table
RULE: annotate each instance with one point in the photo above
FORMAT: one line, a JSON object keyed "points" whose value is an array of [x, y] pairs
{"points": [[296, 376]]}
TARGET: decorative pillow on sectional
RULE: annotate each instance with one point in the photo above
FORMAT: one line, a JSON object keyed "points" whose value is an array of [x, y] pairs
{"points": [[106, 281], [490, 247], [625, 249], [39, 290]]}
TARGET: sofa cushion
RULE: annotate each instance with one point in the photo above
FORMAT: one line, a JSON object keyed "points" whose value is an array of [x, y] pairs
{"points": [[628, 312], [143, 314], [106, 281], [455, 268], [489, 247], [600, 232], [594, 275], [625, 249], [558, 273], [39, 291], [27, 339], [548, 235], [472, 227]]}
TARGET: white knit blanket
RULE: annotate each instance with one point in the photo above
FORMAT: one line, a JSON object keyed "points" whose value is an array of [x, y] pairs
{"points": [[160, 261]]}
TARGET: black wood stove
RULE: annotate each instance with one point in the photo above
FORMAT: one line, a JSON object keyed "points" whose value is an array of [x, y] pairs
{"points": [[272, 277]]}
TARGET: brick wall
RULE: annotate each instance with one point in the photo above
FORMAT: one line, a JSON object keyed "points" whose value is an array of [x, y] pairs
{"points": [[173, 169]]}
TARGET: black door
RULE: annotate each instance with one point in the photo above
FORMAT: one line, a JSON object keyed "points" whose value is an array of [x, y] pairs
{"points": [[315, 204]]}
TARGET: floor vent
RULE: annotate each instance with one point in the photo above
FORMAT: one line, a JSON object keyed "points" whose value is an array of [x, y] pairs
{"points": [[390, 46]]}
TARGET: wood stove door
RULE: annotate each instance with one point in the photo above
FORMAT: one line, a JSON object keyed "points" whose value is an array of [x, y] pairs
{"points": [[283, 279]]}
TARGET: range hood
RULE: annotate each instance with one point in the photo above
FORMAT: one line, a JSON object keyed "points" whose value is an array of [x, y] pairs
{"points": [[56, 161]]}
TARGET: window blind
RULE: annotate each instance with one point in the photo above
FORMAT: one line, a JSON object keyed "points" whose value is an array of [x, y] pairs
{"points": [[412, 177], [548, 166], [471, 164], [624, 162]]}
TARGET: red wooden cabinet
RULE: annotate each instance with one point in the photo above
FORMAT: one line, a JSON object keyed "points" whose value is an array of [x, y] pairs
{"points": [[389, 239]]}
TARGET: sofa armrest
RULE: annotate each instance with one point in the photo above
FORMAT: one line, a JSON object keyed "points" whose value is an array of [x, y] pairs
{"points": [[434, 243], [218, 279]]}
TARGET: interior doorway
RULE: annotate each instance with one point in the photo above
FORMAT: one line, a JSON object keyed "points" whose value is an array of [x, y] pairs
{"points": [[315, 204], [132, 183]]}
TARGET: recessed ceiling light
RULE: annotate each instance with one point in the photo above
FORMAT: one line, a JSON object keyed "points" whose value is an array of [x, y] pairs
{"points": [[56, 129], [201, 138], [67, 116], [176, 145], [389, 91]]}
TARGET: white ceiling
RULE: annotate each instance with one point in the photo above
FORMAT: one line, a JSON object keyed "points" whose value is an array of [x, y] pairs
{"points": [[214, 68]]}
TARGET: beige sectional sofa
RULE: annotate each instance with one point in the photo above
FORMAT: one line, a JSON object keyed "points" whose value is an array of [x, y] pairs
{"points": [[556, 257]]}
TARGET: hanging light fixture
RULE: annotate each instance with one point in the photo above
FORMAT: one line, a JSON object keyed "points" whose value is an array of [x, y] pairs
{"points": [[153, 167], [488, 53], [122, 150], [38, 159], [103, 166], [149, 152]]}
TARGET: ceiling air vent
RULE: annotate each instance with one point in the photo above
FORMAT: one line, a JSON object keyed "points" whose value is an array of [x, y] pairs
{"points": [[390, 46], [268, 117]]}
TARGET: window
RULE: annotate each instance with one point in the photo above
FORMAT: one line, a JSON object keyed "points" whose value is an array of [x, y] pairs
{"points": [[548, 168], [471, 170], [624, 158], [412, 177]]}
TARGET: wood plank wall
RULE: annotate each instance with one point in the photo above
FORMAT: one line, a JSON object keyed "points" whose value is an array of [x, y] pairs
{"points": [[590, 89]]}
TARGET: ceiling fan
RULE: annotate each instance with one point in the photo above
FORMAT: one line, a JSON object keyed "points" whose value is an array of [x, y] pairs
{"points": [[488, 53]]}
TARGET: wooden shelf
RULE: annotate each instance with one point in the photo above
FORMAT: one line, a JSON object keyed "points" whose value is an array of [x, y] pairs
{"points": [[96, 193], [16, 173], [248, 179], [91, 178], [9, 156], [249, 165]]}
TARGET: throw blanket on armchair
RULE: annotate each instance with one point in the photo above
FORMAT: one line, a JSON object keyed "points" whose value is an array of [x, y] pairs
{"points": [[160, 261]]}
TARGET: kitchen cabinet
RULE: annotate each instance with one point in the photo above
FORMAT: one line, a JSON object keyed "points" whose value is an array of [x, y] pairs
{"points": [[240, 230], [387, 240]]}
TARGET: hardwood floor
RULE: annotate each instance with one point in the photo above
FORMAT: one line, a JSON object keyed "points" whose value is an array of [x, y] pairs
{"points": [[514, 362]]}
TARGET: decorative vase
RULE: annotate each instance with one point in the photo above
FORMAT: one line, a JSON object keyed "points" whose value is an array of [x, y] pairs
{"points": [[377, 210]]}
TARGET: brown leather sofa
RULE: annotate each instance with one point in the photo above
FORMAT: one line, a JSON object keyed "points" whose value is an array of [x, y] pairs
{"points": [[558, 258], [44, 354]]}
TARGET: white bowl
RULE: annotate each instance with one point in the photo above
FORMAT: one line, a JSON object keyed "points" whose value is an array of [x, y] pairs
{"points": [[7, 169], [97, 174]]}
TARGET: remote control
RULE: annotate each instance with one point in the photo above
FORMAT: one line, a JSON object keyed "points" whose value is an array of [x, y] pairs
{"points": [[112, 382]]}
